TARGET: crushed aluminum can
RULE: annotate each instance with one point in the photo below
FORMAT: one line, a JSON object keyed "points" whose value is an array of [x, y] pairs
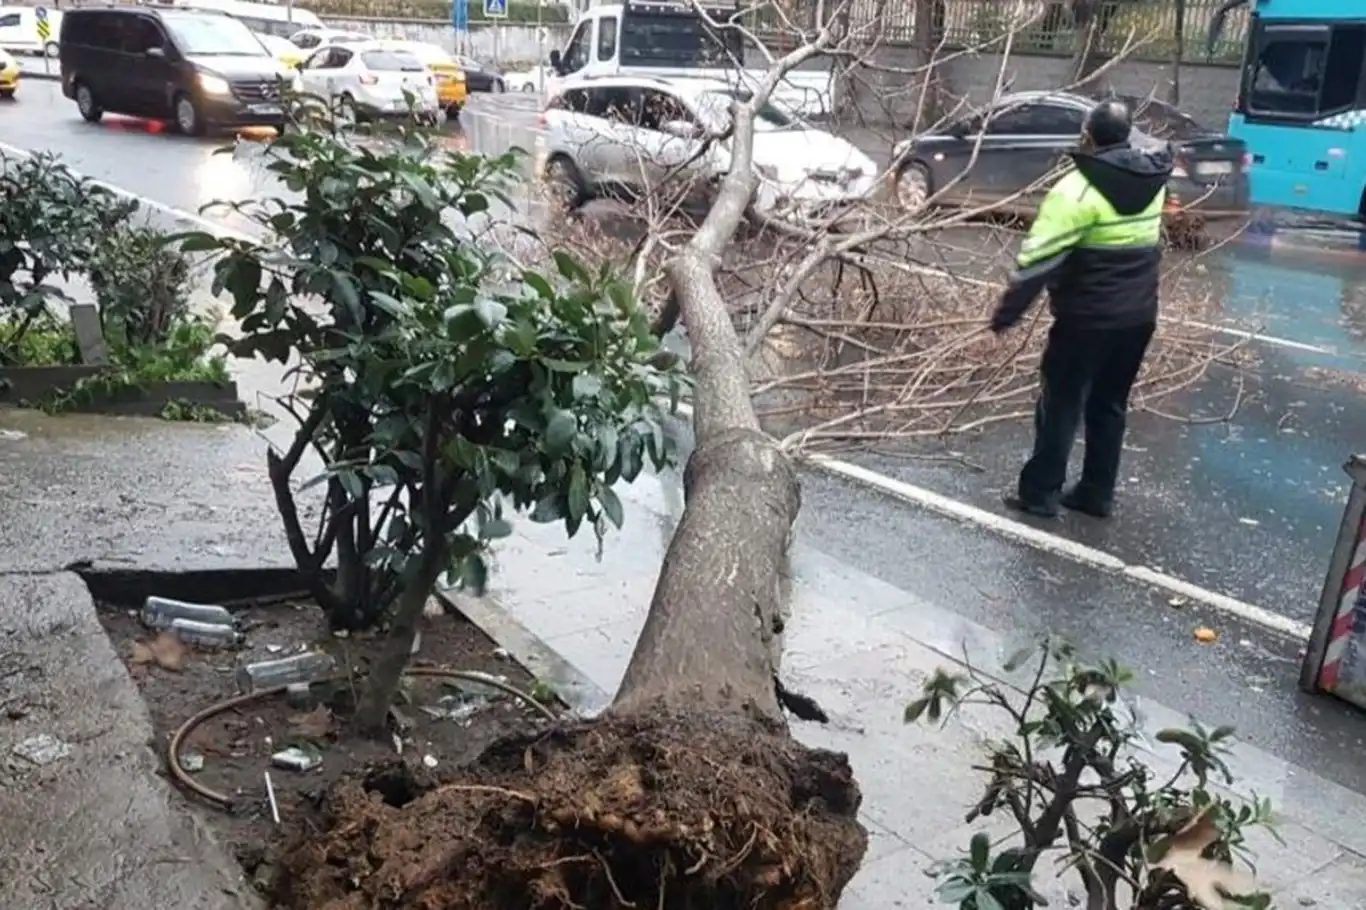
{"points": [[296, 759]]}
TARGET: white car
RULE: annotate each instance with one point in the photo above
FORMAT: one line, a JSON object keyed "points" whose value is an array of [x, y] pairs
{"points": [[628, 133], [309, 38], [19, 31], [531, 79], [367, 80]]}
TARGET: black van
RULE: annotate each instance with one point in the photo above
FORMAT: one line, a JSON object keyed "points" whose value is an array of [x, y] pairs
{"points": [[196, 68]]}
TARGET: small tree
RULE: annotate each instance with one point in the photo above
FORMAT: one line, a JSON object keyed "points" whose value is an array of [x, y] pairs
{"points": [[439, 380], [142, 285], [1070, 761]]}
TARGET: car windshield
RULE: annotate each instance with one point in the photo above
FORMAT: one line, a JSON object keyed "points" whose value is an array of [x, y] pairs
{"points": [[392, 61], [769, 118], [214, 36], [677, 40]]}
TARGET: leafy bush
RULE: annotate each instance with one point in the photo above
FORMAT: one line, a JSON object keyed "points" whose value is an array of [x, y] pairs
{"points": [[50, 224], [142, 285], [1072, 781], [440, 381]]}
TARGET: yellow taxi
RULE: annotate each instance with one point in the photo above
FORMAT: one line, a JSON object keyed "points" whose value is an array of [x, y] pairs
{"points": [[284, 51], [451, 90], [9, 76]]}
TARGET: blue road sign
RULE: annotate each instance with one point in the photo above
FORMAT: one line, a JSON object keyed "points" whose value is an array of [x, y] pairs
{"points": [[41, 13], [495, 9], [460, 14]]}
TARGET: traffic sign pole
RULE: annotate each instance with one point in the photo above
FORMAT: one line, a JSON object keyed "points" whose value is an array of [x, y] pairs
{"points": [[45, 32], [460, 20]]}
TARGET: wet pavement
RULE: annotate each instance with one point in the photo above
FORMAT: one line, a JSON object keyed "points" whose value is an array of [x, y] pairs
{"points": [[1247, 508]]}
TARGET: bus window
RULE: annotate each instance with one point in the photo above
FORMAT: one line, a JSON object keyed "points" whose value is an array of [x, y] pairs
{"points": [[1305, 71]]}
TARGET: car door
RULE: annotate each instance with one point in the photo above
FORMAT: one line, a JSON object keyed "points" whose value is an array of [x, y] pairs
{"points": [[662, 154], [610, 150], [1042, 136], [575, 56], [312, 73], [147, 48]]}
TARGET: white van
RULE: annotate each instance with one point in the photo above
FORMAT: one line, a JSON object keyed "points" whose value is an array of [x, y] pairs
{"points": [[19, 30], [263, 18]]}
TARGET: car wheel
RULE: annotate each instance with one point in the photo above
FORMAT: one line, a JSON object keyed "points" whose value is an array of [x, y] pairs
{"points": [[7, 94], [51, 50], [499, 87], [453, 112], [528, 87], [913, 186], [86, 103], [346, 110], [187, 119], [564, 184]]}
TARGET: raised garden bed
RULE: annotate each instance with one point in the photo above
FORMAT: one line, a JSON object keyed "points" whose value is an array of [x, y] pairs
{"points": [[80, 388], [439, 726]]}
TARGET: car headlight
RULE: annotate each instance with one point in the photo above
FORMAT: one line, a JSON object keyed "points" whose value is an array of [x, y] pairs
{"points": [[214, 85]]}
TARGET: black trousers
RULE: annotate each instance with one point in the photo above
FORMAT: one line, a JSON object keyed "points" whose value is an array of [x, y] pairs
{"points": [[1087, 375]]}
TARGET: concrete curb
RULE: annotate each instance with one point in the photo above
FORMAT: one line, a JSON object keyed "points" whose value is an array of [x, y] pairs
{"points": [[25, 74], [583, 696]]}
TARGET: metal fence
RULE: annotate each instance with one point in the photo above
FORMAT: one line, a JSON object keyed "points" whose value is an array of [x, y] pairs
{"points": [[1046, 26]]}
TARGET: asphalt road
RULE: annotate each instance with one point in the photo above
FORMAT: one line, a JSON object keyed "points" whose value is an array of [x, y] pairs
{"points": [[1247, 508]]}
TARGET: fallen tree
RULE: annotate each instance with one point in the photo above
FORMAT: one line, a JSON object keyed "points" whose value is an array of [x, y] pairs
{"points": [[689, 792]]}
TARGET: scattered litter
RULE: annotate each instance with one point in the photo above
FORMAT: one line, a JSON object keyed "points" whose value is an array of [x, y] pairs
{"points": [[166, 651], [270, 797], [455, 707], [429, 761], [299, 696], [402, 723], [1245, 643], [43, 749], [432, 609], [296, 758], [275, 649], [502, 654], [1205, 635], [162, 612], [1178, 602], [301, 668], [398, 744], [341, 633], [417, 642], [191, 761], [13, 434], [205, 634], [316, 724], [1249, 521]]}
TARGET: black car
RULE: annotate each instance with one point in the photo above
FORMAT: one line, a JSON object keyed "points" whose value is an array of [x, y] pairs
{"points": [[197, 69], [1026, 135], [480, 79]]}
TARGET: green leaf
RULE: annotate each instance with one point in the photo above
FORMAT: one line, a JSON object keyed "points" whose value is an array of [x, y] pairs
{"points": [[915, 709], [611, 505], [980, 851], [586, 385], [578, 494], [199, 242], [560, 431], [955, 891], [986, 900], [495, 529], [538, 284], [490, 312], [570, 267]]}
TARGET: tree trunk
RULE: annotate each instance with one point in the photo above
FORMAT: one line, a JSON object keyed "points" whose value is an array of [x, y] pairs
{"points": [[689, 792], [935, 92], [1178, 53]]}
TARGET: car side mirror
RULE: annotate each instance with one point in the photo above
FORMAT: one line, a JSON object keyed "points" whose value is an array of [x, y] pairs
{"points": [[959, 130], [555, 63], [683, 129], [157, 52]]}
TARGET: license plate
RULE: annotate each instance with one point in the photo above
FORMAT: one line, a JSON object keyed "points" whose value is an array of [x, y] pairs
{"points": [[1214, 168], [266, 109]]}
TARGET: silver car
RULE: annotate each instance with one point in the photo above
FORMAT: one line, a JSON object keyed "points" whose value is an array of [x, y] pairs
{"points": [[1027, 135]]}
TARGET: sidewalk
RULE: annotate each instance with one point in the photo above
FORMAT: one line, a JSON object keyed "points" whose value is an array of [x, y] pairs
{"points": [[862, 648]]}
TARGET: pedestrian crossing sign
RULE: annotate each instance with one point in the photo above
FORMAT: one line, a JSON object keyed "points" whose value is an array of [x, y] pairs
{"points": [[495, 9], [45, 27]]}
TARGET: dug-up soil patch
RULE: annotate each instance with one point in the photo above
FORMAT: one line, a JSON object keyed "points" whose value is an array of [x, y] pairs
{"points": [[440, 725]]}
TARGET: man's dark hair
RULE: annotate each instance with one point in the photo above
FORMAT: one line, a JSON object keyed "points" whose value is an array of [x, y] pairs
{"points": [[1109, 123]]}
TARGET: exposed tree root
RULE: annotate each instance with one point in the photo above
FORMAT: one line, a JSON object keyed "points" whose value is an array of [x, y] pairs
{"points": [[656, 810]]}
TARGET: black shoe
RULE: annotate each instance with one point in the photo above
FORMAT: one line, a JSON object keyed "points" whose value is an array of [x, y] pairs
{"points": [[1029, 507], [1077, 501]]}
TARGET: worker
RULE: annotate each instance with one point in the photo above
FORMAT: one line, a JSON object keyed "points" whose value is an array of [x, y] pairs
{"points": [[1096, 246]]}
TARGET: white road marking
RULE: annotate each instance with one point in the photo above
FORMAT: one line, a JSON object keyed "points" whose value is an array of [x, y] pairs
{"points": [[919, 496]]}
